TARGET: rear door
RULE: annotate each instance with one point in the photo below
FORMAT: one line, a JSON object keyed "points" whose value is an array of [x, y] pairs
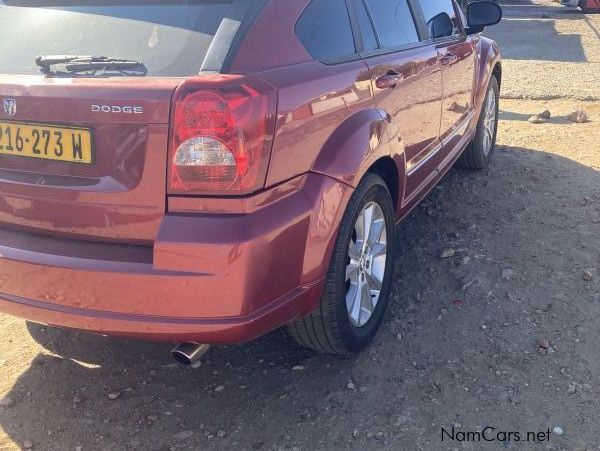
{"points": [[407, 81], [84, 154], [456, 54]]}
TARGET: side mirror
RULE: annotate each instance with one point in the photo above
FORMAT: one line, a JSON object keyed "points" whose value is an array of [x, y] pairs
{"points": [[440, 26], [481, 15]]}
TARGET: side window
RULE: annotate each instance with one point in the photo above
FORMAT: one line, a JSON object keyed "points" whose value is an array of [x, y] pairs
{"points": [[324, 29], [366, 27], [441, 18], [393, 21]]}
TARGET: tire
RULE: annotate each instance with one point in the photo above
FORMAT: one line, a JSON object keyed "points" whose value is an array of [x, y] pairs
{"points": [[479, 153], [331, 328]]}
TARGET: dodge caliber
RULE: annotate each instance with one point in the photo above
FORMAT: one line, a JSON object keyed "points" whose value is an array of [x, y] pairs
{"points": [[205, 172]]}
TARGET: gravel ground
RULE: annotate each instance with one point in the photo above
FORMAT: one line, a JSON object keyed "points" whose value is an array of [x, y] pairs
{"points": [[501, 334], [552, 51]]}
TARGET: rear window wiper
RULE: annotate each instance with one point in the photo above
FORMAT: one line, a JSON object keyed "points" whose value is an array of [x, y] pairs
{"points": [[89, 66]]}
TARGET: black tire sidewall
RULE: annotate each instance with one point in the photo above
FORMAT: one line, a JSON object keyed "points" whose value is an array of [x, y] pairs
{"points": [[357, 338]]}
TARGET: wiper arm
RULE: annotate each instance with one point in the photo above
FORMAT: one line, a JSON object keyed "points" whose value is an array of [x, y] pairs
{"points": [[90, 65]]}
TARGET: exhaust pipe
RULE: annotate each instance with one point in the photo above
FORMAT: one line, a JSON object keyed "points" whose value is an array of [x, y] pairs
{"points": [[189, 354]]}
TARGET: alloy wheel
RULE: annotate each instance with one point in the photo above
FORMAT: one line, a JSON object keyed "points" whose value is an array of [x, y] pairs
{"points": [[365, 270], [489, 123]]}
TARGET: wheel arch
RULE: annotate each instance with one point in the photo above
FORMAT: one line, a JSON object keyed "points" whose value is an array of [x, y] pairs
{"points": [[489, 63], [360, 146], [387, 169], [497, 72]]}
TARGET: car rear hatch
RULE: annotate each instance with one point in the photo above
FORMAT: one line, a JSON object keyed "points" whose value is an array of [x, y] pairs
{"points": [[84, 154], [98, 171]]}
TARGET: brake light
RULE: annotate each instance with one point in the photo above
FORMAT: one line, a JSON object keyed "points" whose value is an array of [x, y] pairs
{"points": [[222, 130]]}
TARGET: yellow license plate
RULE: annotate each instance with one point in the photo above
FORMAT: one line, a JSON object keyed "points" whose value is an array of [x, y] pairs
{"points": [[49, 142]]}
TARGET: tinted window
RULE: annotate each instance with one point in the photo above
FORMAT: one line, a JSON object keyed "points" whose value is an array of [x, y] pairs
{"points": [[171, 37], [366, 27], [440, 17], [393, 21], [325, 30]]}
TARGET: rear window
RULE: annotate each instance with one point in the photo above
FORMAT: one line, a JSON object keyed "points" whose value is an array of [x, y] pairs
{"points": [[172, 38]]}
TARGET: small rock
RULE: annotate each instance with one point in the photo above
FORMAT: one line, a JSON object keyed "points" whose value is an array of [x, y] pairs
{"points": [[399, 337], [483, 327], [350, 386], [6, 402], [588, 275], [578, 116], [299, 368], [27, 444], [540, 118], [77, 400], [447, 253], [183, 435], [543, 344], [219, 388], [508, 274], [558, 430], [542, 351], [455, 107], [221, 433], [466, 260], [114, 395]]}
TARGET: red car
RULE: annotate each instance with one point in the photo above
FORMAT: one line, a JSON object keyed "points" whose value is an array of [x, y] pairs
{"points": [[206, 172], [587, 6]]}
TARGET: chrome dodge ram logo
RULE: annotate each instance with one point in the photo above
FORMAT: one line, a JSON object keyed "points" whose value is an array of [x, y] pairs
{"points": [[10, 106]]}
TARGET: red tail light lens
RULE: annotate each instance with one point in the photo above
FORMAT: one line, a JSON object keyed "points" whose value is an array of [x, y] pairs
{"points": [[222, 131]]}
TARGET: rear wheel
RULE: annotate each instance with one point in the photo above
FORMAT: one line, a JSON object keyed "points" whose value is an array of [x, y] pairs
{"points": [[359, 278], [479, 153]]}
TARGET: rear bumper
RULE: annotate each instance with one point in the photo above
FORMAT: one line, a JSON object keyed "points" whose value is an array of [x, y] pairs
{"points": [[227, 276]]}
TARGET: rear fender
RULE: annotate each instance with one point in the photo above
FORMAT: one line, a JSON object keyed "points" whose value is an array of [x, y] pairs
{"points": [[489, 56], [354, 147]]}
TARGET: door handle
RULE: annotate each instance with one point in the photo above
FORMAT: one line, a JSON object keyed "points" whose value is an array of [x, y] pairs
{"points": [[389, 80], [448, 58]]}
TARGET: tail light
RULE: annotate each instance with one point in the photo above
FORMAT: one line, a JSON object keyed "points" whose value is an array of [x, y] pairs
{"points": [[222, 131]]}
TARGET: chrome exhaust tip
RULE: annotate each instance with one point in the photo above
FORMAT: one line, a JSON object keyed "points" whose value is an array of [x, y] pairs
{"points": [[189, 354]]}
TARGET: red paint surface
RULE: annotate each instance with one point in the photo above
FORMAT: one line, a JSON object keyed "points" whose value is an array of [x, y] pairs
{"points": [[592, 5], [105, 248]]}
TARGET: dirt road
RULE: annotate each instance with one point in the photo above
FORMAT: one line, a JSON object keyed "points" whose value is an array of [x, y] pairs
{"points": [[504, 334]]}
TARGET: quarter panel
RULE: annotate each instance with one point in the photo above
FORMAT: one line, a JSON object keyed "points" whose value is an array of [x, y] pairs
{"points": [[271, 41], [353, 147], [314, 101]]}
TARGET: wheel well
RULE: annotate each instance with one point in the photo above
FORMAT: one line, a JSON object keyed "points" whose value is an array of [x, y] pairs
{"points": [[387, 170], [497, 72]]}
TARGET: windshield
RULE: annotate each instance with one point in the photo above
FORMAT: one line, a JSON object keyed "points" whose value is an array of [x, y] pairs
{"points": [[171, 38]]}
